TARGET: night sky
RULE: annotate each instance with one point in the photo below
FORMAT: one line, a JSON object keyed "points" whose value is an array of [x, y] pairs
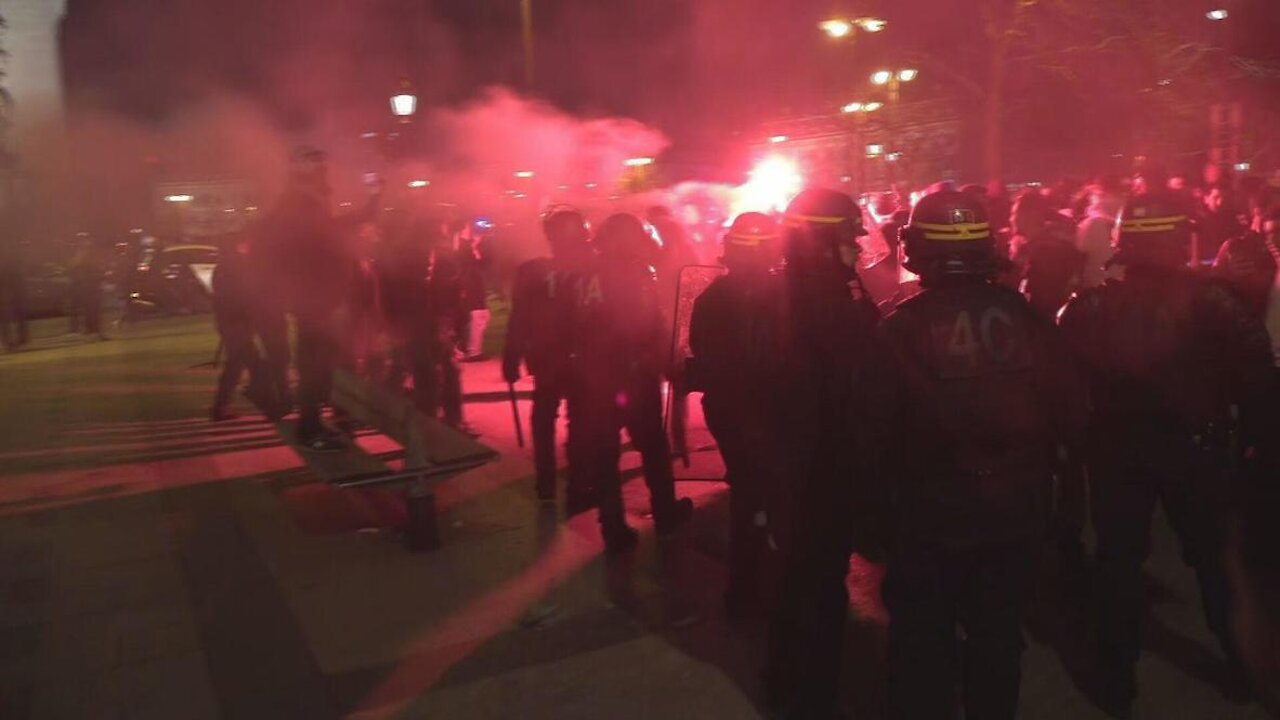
{"points": [[699, 70]]}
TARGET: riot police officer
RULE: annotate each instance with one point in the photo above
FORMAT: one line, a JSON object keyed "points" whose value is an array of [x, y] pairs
{"points": [[1168, 355], [538, 335], [620, 354], [821, 401], [725, 339], [985, 399]]}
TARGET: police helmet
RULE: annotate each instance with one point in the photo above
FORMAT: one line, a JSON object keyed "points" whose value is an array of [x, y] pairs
{"points": [[626, 238], [751, 241], [564, 225], [948, 234], [1155, 229], [822, 228]]}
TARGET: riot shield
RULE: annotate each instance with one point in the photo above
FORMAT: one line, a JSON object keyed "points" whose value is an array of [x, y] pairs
{"points": [[694, 280]]}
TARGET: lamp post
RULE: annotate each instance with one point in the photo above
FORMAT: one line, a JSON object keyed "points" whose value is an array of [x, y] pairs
{"points": [[893, 80], [859, 111], [526, 23], [404, 103]]}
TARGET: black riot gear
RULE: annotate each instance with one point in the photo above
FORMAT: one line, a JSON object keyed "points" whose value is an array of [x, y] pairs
{"points": [[821, 234], [949, 234], [752, 241], [1154, 230]]}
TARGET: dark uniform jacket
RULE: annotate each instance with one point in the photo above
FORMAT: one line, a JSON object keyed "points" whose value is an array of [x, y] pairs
{"points": [[823, 399], [233, 309], [727, 335], [986, 396], [540, 325], [1167, 353], [618, 328]]}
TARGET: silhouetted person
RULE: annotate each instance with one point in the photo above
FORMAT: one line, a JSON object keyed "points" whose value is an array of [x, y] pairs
{"points": [[1173, 361], [826, 369], [987, 396], [13, 290], [450, 311], [474, 256], [1216, 225], [620, 344], [1248, 263], [404, 272], [538, 333], [726, 338], [85, 273], [233, 316], [1044, 249], [310, 257]]}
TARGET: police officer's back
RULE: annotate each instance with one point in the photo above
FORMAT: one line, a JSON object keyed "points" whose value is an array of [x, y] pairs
{"points": [[539, 335], [621, 353], [1168, 355], [986, 397]]}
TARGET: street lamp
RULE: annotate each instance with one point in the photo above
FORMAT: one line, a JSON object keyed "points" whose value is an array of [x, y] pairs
{"points": [[837, 28], [637, 162], [859, 107], [894, 79], [778, 139], [404, 103], [1218, 14]]}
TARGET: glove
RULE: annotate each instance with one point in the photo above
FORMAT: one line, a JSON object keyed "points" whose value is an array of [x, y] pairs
{"points": [[510, 369]]}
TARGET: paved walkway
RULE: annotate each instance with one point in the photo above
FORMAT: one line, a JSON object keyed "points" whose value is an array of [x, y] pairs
{"points": [[155, 566]]}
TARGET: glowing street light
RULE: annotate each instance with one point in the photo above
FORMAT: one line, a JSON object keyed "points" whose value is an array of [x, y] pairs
{"points": [[858, 107], [524, 174], [836, 27], [415, 184], [637, 161], [178, 198], [778, 139], [404, 103], [907, 75], [1218, 14], [881, 77], [875, 150]]}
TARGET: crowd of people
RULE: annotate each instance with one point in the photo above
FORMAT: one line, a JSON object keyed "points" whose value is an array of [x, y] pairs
{"points": [[1052, 361], [950, 429], [402, 305]]}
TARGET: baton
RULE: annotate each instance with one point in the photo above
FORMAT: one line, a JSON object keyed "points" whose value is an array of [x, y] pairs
{"points": [[515, 414]]}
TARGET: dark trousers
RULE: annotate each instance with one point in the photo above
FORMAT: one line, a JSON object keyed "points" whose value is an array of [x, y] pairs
{"points": [[241, 355], [635, 404], [982, 590], [743, 473], [806, 628], [318, 356], [549, 389], [86, 310], [448, 374], [1125, 487], [273, 330], [13, 314]]}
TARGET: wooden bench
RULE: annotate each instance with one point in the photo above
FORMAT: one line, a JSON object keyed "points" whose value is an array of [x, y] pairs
{"points": [[432, 451]]}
